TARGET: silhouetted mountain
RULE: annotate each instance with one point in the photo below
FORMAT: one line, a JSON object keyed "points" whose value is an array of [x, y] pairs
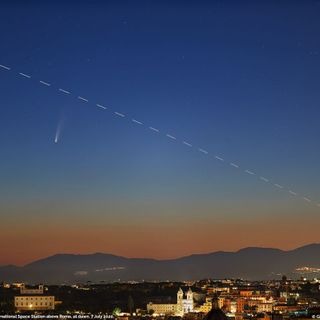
{"points": [[248, 263]]}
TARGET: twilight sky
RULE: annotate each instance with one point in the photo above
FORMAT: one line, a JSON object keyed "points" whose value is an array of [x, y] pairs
{"points": [[238, 80]]}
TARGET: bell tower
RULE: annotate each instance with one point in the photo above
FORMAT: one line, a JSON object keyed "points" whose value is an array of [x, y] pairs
{"points": [[180, 296], [190, 295]]}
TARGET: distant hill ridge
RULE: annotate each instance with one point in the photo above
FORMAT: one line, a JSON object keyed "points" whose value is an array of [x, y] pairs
{"points": [[250, 263]]}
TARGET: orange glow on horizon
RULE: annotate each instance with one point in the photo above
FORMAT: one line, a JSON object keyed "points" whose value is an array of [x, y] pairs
{"points": [[149, 242]]}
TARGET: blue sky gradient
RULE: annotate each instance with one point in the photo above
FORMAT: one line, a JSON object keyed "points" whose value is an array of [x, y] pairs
{"points": [[239, 80]]}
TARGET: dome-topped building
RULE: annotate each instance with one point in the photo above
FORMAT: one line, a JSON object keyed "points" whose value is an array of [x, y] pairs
{"points": [[215, 313]]}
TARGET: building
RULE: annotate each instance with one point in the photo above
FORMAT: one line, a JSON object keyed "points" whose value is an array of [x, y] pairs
{"points": [[33, 299], [164, 308], [215, 313], [186, 305], [206, 306], [183, 305], [263, 307], [31, 290]]}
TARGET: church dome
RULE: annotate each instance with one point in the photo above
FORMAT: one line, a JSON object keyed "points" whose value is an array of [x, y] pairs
{"points": [[215, 314]]}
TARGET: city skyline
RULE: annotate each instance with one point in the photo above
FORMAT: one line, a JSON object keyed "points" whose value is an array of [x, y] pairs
{"points": [[282, 298], [225, 98]]}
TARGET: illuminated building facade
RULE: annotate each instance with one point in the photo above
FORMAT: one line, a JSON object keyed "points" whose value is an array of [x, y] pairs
{"points": [[180, 308], [33, 299]]}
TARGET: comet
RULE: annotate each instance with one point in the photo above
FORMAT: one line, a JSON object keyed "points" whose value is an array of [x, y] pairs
{"points": [[59, 130]]}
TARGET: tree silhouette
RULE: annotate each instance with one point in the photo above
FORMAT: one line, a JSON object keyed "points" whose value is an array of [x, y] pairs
{"points": [[130, 304]]}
